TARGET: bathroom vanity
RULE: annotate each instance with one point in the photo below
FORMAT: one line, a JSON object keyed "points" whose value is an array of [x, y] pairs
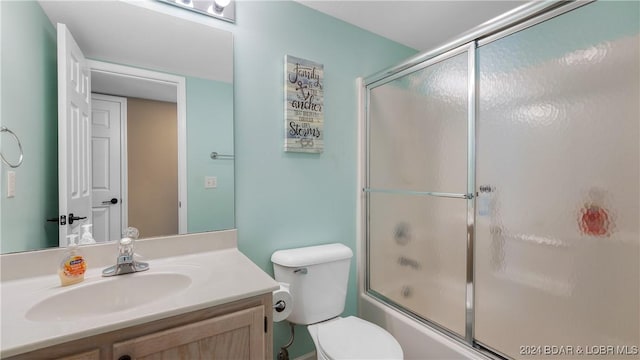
{"points": [[204, 300], [238, 330]]}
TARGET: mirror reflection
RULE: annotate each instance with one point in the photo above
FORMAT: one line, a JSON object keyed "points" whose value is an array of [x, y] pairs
{"points": [[158, 106]]}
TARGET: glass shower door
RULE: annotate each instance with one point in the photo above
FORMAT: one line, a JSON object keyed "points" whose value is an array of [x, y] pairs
{"points": [[417, 212], [557, 237]]}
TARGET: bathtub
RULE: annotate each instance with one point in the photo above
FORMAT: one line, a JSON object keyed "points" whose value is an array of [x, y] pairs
{"points": [[418, 341]]}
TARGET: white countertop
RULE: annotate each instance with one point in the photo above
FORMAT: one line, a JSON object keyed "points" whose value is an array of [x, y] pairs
{"points": [[217, 277]]}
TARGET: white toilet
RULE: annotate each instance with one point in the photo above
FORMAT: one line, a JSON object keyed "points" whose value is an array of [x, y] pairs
{"points": [[318, 278]]}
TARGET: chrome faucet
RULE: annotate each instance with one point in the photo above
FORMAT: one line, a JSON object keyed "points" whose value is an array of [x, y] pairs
{"points": [[126, 264]]}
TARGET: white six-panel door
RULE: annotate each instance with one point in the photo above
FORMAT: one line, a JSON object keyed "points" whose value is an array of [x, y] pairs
{"points": [[107, 118], [74, 135]]}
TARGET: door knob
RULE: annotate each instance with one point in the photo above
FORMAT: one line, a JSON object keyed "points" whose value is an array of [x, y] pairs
{"points": [[74, 218], [112, 201]]}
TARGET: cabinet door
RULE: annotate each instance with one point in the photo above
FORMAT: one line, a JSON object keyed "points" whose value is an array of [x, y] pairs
{"points": [[89, 355], [239, 335]]}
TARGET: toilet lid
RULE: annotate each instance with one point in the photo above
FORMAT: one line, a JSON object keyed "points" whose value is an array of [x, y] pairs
{"points": [[354, 338]]}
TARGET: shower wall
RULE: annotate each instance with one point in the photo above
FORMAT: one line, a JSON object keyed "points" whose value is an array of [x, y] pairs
{"points": [[556, 258]]}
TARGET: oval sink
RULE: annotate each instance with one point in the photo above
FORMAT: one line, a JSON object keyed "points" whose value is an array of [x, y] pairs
{"points": [[107, 296]]}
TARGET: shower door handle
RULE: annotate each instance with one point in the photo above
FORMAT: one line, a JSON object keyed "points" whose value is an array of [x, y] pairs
{"points": [[450, 195], [428, 193]]}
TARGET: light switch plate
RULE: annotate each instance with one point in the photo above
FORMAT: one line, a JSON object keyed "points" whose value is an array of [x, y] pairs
{"points": [[11, 184], [210, 182]]}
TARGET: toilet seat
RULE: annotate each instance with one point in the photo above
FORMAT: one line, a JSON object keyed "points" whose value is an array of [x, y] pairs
{"points": [[354, 338]]}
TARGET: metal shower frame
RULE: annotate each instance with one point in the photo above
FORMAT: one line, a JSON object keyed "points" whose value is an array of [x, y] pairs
{"points": [[504, 25]]}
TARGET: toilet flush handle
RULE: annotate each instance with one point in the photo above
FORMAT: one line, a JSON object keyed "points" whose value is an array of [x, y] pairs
{"points": [[302, 271]]}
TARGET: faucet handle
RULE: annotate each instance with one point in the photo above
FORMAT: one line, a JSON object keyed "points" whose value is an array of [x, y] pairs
{"points": [[132, 232], [126, 263], [126, 247]]}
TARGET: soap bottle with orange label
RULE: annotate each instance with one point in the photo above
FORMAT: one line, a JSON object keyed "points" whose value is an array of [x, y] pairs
{"points": [[73, 265]]}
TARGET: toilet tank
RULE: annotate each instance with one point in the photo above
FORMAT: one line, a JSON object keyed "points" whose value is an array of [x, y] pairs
{"points": [[318, 277]]}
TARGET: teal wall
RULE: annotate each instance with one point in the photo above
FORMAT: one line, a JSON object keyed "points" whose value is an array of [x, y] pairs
{"points": [[30, 109], [283, 200], [209, 108], [286, 200]]}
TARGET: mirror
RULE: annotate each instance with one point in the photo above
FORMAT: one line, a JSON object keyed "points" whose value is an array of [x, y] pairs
{"points": [[145, 38]]}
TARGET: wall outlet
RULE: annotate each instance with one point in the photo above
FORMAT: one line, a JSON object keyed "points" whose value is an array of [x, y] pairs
{"points": [[11, 184], [210, 182]]}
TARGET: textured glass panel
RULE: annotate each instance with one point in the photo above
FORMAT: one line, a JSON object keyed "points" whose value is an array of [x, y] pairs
{"points": [[418, 128], [557, 238], [417, 255]]}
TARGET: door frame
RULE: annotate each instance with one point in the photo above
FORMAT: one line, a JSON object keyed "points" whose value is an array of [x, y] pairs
{"points": [[181, 101]]}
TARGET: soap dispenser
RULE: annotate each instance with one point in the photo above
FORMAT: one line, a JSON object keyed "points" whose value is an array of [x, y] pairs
{"points": [[87, 238], [73, 265]]}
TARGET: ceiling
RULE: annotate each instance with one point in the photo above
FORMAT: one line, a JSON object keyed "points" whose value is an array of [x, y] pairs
{"points": [[422, 25], [138, 33]]}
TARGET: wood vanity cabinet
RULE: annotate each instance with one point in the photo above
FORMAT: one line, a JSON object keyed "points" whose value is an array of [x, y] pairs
{"points": [[237, 330], [238, 335], [89, 355]]}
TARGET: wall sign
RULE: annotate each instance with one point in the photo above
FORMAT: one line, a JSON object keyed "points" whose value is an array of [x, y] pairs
{"points": [[304, 105]]}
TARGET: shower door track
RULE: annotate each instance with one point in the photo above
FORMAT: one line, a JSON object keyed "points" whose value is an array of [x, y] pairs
{"points": [[511, 22], [501, 26]]}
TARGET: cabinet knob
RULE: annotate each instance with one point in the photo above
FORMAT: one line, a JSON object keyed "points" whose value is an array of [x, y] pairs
{"points": [[124, 357]]}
